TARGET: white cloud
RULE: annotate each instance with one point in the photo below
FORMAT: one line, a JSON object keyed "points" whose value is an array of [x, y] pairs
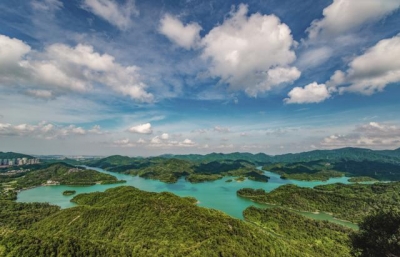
{"points": [[187, 142], [372, 134], [61, 68], [141, 141], [367, 74], [314, 57], [109, 10], [96, 130], [370, 72], [12, 50], [251, 53], [141, 129], [221, 129], [125, 142], [165, 136], [38, 93], [312, 93], [186, 36], [47, 5], [346, 15], [45, 130]]}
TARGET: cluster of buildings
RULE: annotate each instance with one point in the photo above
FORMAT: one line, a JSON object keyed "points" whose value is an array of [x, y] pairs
{"points": [[18, 161], [13, 172]]}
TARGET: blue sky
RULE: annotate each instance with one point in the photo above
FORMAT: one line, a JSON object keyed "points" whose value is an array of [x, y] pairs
{"points": [[102, 77]]}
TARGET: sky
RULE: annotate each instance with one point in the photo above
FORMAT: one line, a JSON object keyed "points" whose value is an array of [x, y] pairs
{"points": [[144, 78]]}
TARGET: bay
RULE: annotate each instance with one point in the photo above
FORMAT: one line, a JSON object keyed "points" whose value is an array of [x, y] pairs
{"points": [[219, 194]]}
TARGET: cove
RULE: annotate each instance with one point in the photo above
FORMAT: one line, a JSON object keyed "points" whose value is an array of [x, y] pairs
{"points": [[219, 195]]}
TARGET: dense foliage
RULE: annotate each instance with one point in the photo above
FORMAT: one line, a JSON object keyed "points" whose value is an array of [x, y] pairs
{"points": [[379, 235], [343, 154], [125, 221], [69, 192], [22, 215], [321, 238], [314, 165], [349, 202], [315, 170], [362, 179], [170, 170], [63, 174], [376, 169]]}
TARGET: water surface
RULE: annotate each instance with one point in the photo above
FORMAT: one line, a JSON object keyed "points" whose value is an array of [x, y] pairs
{"points": [[219, 194]]}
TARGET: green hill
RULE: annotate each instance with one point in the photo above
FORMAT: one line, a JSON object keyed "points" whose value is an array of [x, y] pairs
{"points": [[349, 202], [125, 221], [322, 237], [63, 174], [12, 155], [348, 153]]}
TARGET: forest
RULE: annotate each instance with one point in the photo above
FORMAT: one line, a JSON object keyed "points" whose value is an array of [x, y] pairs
{"points": [[125, 221], [348, 202]]}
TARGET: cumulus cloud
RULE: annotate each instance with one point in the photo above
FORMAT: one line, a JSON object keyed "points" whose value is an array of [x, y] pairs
{"points": [[344, 15], [376, 68], [370, 72], [141, 129], [61, 68], [165, 136], [46, 130], [251, 53], [367, 74], [312, 93], [186, 36], [372, 134], [109, 10]]}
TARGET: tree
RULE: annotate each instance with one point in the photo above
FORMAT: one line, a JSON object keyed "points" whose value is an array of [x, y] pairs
{"points": [[379, 235]]}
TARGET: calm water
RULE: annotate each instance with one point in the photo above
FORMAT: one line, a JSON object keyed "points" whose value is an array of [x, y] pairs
{"points": [[217, 194]]}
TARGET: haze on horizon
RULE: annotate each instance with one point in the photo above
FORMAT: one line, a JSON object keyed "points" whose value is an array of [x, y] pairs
{"points": [[141, 78]]}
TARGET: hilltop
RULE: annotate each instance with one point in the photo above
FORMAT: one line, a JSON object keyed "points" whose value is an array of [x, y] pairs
{"points": [[125, 221]]}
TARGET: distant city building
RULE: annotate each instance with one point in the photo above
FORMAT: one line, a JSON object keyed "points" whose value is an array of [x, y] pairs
{"points": [[18, 161]]}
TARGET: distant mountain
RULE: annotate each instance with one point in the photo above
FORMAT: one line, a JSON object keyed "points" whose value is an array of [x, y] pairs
{"points": [[348, 153], [12, 155], [392, 153]]}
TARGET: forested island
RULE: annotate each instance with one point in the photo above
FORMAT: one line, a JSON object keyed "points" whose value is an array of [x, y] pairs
{"points": [[349, 202], [318, 165], [52, 174], [69, 192], [169, 170]]}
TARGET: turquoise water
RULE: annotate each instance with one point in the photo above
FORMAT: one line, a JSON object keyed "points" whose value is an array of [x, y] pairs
{"points": [[219, 195]]}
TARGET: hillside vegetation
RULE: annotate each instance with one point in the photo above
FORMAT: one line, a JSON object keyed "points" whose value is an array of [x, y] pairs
{"points": [[349, 202], [313, 165], [320, 237], [125, 221], [63, 174]]}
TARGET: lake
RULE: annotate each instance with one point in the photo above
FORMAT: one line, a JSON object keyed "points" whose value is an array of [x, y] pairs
{"points": [[219, 195]]}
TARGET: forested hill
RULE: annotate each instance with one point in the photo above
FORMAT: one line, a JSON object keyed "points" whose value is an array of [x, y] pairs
{"points": [[348, 153], [12, 155], [125, 221]]}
